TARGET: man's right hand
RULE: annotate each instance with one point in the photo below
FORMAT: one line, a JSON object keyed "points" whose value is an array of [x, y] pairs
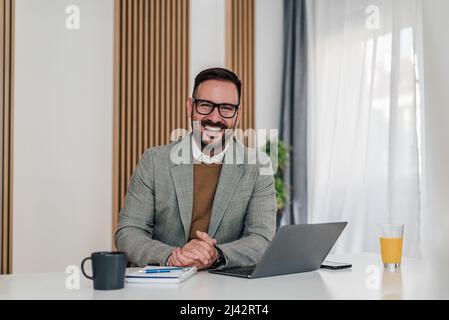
{"points": [[178, 259], [200, 253]]}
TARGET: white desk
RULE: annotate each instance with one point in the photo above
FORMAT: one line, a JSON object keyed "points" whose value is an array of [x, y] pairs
{"points": [[360, 282]]}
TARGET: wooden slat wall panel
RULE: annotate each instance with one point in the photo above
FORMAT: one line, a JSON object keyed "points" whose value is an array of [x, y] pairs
{"points": [[240, 53], [151, 82], [6, 121]]}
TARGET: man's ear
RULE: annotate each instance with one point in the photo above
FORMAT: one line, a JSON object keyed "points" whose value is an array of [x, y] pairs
{"points": [[189, 105], [239, 111]]}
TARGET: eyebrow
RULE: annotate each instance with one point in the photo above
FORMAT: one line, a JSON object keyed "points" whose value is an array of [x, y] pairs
{"points": [[232, 104]]}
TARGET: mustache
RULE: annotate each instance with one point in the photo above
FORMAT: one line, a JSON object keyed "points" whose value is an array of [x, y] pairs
{"points": [[214, 124]]}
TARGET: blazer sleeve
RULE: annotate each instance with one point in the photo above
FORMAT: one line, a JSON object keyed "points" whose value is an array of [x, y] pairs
{"points": [[259, 227], [134, 234]]}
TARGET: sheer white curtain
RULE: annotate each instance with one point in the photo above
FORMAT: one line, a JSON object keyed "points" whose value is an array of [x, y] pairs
{"points": [[363, 111]]}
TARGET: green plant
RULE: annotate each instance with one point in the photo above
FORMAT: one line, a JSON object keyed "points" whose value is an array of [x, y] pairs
{"points": [[279, 160]]}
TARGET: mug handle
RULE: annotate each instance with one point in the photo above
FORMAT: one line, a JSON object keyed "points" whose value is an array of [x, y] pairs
{"points": [[82, 268]]}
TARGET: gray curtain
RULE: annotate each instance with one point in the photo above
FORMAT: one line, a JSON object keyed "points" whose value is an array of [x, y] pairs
{"points": [[293, 125]]}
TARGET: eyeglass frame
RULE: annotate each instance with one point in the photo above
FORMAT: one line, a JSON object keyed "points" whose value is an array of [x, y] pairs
{"points": [[215, 105]]}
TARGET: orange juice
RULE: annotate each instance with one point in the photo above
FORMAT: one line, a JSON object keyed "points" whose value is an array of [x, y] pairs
{"points": [[391, 250]]}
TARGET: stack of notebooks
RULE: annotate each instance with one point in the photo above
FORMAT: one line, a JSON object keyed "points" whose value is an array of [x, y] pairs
{"points": [[161, 274]]}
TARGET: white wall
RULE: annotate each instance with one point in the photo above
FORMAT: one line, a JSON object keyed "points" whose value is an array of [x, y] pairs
{"points": [[269, 53], [207, 49], [62, 193], [436, 170], [436, 80], [207, 36]]}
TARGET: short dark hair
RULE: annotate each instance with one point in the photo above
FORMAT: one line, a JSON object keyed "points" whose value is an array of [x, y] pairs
{"points": [[217, 74]]}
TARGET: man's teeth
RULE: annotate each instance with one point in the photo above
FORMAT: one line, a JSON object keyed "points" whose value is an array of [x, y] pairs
{"points": [[215, 129]]}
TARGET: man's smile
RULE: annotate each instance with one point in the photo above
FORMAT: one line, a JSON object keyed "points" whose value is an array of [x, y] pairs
{"points": [[211, 131]]}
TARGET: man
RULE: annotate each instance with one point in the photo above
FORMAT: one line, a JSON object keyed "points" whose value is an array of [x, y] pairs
{"points": [[211, 209]]}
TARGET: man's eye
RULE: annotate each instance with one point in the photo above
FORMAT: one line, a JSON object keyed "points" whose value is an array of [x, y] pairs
{"points": [[227, 108], [205, 105]]}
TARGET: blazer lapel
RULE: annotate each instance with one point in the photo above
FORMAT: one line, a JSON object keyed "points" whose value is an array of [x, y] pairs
{"points": [[182, 174], [183, 179], [231, 173]]}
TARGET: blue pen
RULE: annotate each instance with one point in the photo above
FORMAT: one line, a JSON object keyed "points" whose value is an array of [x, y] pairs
{"points": [[162, 270]]}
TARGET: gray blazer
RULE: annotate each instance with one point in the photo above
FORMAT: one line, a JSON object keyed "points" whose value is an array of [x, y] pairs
{"points": [[157, 213]]}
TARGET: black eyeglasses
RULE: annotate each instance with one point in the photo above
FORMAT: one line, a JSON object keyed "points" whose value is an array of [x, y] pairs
{"points": [[206, 107]]}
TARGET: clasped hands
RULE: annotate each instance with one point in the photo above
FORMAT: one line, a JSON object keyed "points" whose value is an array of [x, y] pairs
{"points": [[200, 253]]}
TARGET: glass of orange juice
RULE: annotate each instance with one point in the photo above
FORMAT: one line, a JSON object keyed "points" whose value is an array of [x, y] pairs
{"points": [[391, 236]]}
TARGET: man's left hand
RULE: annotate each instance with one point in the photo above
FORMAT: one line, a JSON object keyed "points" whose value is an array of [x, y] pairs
{"points": [[202, 250]]}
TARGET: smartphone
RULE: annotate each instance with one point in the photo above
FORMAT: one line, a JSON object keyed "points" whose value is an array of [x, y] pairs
{"points": [[335, 265]]}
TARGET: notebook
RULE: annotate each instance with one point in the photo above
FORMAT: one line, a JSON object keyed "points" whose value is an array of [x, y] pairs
{"points": [[161, 274]]}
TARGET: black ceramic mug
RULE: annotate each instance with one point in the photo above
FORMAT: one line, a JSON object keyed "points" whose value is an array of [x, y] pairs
{"points": [[108, 269]]}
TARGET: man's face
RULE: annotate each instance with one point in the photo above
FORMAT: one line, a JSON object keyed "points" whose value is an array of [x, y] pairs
{"points": [[211, 128]]}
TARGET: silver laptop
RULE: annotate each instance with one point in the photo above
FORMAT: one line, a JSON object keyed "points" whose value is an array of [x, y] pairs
{"points": [[294, 249]]}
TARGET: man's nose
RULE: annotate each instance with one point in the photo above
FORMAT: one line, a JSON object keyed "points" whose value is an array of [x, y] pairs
{"points": [[215, 115]]}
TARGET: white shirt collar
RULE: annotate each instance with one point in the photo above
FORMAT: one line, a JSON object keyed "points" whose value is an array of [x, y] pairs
{"points": [[199, 156]]}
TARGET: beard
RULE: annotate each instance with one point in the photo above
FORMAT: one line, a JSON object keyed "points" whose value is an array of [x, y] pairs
{"points": [[212, 136]]}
